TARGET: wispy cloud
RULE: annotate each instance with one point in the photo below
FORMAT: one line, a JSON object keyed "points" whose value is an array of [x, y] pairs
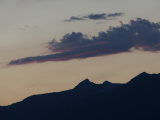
{"points": [[140, 34], [102, 16], [73, 18]]}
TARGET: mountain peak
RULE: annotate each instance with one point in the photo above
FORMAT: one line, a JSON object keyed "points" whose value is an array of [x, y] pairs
{"points": [[144, 73], [86, 81], [84, 84], [145, 78], [90, 86], [107, 83]]}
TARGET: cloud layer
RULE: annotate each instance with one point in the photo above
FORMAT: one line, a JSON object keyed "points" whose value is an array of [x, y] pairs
{"points": [[140, 34], [102, 16]]}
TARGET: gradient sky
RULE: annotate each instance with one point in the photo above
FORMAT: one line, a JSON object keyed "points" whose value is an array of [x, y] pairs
{"points": [[27, 26]]}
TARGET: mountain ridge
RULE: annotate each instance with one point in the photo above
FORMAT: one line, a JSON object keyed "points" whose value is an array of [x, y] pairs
{"points": [[137, 99]]}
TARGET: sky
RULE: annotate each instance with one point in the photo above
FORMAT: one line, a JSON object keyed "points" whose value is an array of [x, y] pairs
{"points": [[52, 45]]}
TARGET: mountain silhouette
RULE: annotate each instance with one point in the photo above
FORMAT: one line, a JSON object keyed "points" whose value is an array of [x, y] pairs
{"points": [[139, 99], [88, 86]]}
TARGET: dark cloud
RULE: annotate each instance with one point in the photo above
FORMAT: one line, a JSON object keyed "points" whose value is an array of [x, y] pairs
{"points": [[73, 18], [115, 14], [140, 34], [102, 16], [97, 16]]}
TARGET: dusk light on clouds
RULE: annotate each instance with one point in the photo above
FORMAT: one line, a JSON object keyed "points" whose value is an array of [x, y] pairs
{"points": [[140, 34], [51, 45]]}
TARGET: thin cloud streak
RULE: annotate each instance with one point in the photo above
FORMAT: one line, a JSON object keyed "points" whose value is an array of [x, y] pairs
{"points": [[140, 34], [102, 16]]}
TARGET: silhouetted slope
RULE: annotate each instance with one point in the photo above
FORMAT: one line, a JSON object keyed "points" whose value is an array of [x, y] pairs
{"points": [[139, 99]]}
